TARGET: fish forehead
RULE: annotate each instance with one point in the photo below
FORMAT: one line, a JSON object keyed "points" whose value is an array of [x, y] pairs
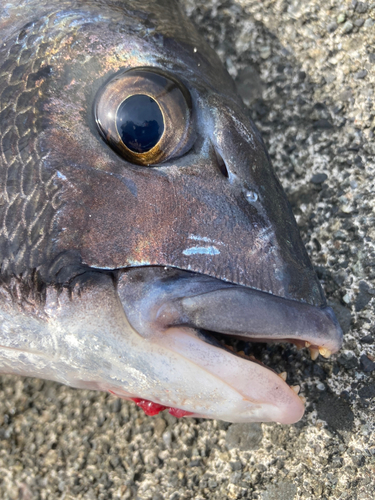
{"points": [[163, 22], [92, 207]]}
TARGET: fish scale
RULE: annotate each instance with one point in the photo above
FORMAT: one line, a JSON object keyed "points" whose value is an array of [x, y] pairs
{"points": [[27, 198]]}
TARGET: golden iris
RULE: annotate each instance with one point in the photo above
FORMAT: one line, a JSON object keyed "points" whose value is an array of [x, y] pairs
{"points": [[146, 116]]}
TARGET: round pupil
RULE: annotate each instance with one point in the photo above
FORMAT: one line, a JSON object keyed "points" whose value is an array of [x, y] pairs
{"points": [[140, 123]]}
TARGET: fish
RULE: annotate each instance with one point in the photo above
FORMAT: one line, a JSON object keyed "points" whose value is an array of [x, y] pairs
{"points": [[144, 234]]}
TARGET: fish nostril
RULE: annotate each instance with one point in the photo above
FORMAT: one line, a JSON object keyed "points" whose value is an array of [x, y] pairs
{"points": [[251, 196], [221, 164]]}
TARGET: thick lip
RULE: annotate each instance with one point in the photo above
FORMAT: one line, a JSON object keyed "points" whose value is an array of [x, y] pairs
{"points": [[256, 316], [185, 312], [262, 391]]}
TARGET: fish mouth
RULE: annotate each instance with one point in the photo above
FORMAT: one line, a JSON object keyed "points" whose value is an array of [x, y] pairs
{"points": [[216, 325]]}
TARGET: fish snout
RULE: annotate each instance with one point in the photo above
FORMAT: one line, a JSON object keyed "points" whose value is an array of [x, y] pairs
{"points": [[200, 320]]}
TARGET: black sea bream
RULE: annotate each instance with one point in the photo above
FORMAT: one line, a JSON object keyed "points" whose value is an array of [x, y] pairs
{"points": [[142, 227]]}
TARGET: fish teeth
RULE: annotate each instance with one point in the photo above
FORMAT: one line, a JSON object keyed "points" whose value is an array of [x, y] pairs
{"points": [[307, 344], [314, 353], [326, 353], [283, 375], [295, 388]]}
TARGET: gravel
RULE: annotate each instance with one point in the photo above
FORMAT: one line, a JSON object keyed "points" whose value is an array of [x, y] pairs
{"points": [[306, 71]]}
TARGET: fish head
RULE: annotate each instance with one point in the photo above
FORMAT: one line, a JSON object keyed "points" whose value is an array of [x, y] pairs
{"points": [[152, 257]]}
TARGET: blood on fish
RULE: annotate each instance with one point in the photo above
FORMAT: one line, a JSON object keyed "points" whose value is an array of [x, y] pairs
{"points": [[152, 409], [149, 407]]}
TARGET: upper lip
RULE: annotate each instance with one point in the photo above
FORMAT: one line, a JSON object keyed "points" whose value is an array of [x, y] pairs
{"points": [[256, 316]]}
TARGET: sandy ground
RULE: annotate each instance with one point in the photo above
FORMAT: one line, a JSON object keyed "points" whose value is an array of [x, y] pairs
{"points": [[306, 69]]}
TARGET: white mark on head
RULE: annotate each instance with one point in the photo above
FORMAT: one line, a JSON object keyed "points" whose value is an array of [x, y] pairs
{"points": [[201, 251]]}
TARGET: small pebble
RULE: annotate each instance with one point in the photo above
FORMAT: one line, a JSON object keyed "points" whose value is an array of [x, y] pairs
{"points": [[339, 235], [167, 438], [318, 178], [348, 360], [348, 27], [212, 484], [236, 465], [369, 23], [265, 52], [360, 74], [361, 7], [322, 124], [366, 364], [341, 18], [332, 27], [368, 339]]}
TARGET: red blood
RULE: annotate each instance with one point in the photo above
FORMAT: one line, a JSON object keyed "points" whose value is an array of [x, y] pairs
{"points": [[176, 412], [152, 409], [149, 407]]}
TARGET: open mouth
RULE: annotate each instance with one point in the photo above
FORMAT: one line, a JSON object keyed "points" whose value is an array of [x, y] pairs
{"points": [[256, 351], [250, 349], [218, 326]]}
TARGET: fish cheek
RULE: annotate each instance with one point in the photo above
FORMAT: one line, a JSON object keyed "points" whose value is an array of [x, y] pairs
{"points": [[88, 303]]}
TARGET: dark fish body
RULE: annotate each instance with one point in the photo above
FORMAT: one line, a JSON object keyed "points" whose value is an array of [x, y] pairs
{"points": [[118, 274]]}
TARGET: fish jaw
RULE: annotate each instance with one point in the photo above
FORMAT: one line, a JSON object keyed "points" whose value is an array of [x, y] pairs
{"points": [[89, 337], [258, 394], [205, 381]]}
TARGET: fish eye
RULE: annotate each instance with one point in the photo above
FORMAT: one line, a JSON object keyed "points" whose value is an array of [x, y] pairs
{"points": [[146, 116]]}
